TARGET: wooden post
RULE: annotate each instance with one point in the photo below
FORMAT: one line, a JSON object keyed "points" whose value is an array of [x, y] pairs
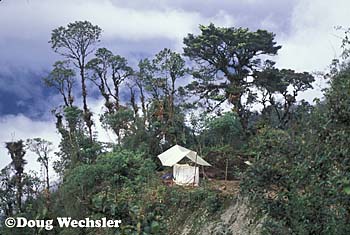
{"points": [[226, 171], [195, 170], [200, 154]]}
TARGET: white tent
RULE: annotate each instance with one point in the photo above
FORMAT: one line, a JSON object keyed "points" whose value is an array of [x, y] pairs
{"points": [[183, 174]]}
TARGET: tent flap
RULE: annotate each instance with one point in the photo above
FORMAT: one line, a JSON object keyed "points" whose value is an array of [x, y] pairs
{"points": [[186, 175]]}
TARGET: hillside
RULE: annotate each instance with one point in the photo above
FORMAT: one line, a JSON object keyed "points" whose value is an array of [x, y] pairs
{"points": [[282, 169]]}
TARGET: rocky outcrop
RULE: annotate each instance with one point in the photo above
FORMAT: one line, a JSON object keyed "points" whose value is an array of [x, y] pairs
{"points": [[235, 219]]}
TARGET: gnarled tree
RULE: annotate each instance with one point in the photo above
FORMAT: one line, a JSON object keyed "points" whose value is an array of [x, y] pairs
{"points": [[108, 72], [285, 83], [62, 79], [42, 148], [17, 152], [160, 77], [227, 59], [76, 42]]}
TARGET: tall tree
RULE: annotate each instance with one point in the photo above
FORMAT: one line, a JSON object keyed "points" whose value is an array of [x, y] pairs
{"points": [[17, 152], [76, 42], [75, 146], [170, 67], [160, 77], [42, 148], [226, 60], [108, 72]]}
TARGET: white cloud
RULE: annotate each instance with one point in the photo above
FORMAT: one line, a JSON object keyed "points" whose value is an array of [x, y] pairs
{"points": [[312, 42], [26, 26], [38, 18], [18, 127]]}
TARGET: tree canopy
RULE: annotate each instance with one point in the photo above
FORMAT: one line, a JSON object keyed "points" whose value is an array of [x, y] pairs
{"points": [[227, 59]]}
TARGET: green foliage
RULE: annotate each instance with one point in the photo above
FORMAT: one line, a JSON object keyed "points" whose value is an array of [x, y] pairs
{"points": [[112, 187], [75, 146], [31, 201], [17, 152], [345, 43], [225, 58], [74, 40], [40, 147], [108, 72], [286, 83], [300, 177], [120, 121], [300, 174], [160, 77], [7, 192], [223, 129], [338, 98]]}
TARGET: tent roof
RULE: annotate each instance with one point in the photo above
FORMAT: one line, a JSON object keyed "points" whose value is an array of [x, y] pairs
{"points": [[177, 153]]}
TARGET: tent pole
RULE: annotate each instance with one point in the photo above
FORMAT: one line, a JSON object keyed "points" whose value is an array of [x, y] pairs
{"points": [[226, 170], [195, 170], [200, 153]]}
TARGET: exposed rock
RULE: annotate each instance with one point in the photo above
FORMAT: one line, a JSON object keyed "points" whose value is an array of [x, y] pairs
{"points": [[236, 219]]}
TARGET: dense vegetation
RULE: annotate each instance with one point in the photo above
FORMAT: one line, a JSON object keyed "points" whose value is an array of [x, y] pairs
{"points": [[299, 176]]}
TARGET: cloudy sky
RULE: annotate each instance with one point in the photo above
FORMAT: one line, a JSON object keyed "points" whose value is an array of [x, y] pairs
{"points": [[140, 28]]}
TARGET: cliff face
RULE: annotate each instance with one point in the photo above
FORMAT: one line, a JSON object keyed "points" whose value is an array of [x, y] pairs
{"points": [[235, 218]]}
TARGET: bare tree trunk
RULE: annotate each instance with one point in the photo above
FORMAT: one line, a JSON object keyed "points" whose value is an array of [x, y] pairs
{"points": [[48, 194], [19, 192], [87, 113], [143, 103], [133, 102]]}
